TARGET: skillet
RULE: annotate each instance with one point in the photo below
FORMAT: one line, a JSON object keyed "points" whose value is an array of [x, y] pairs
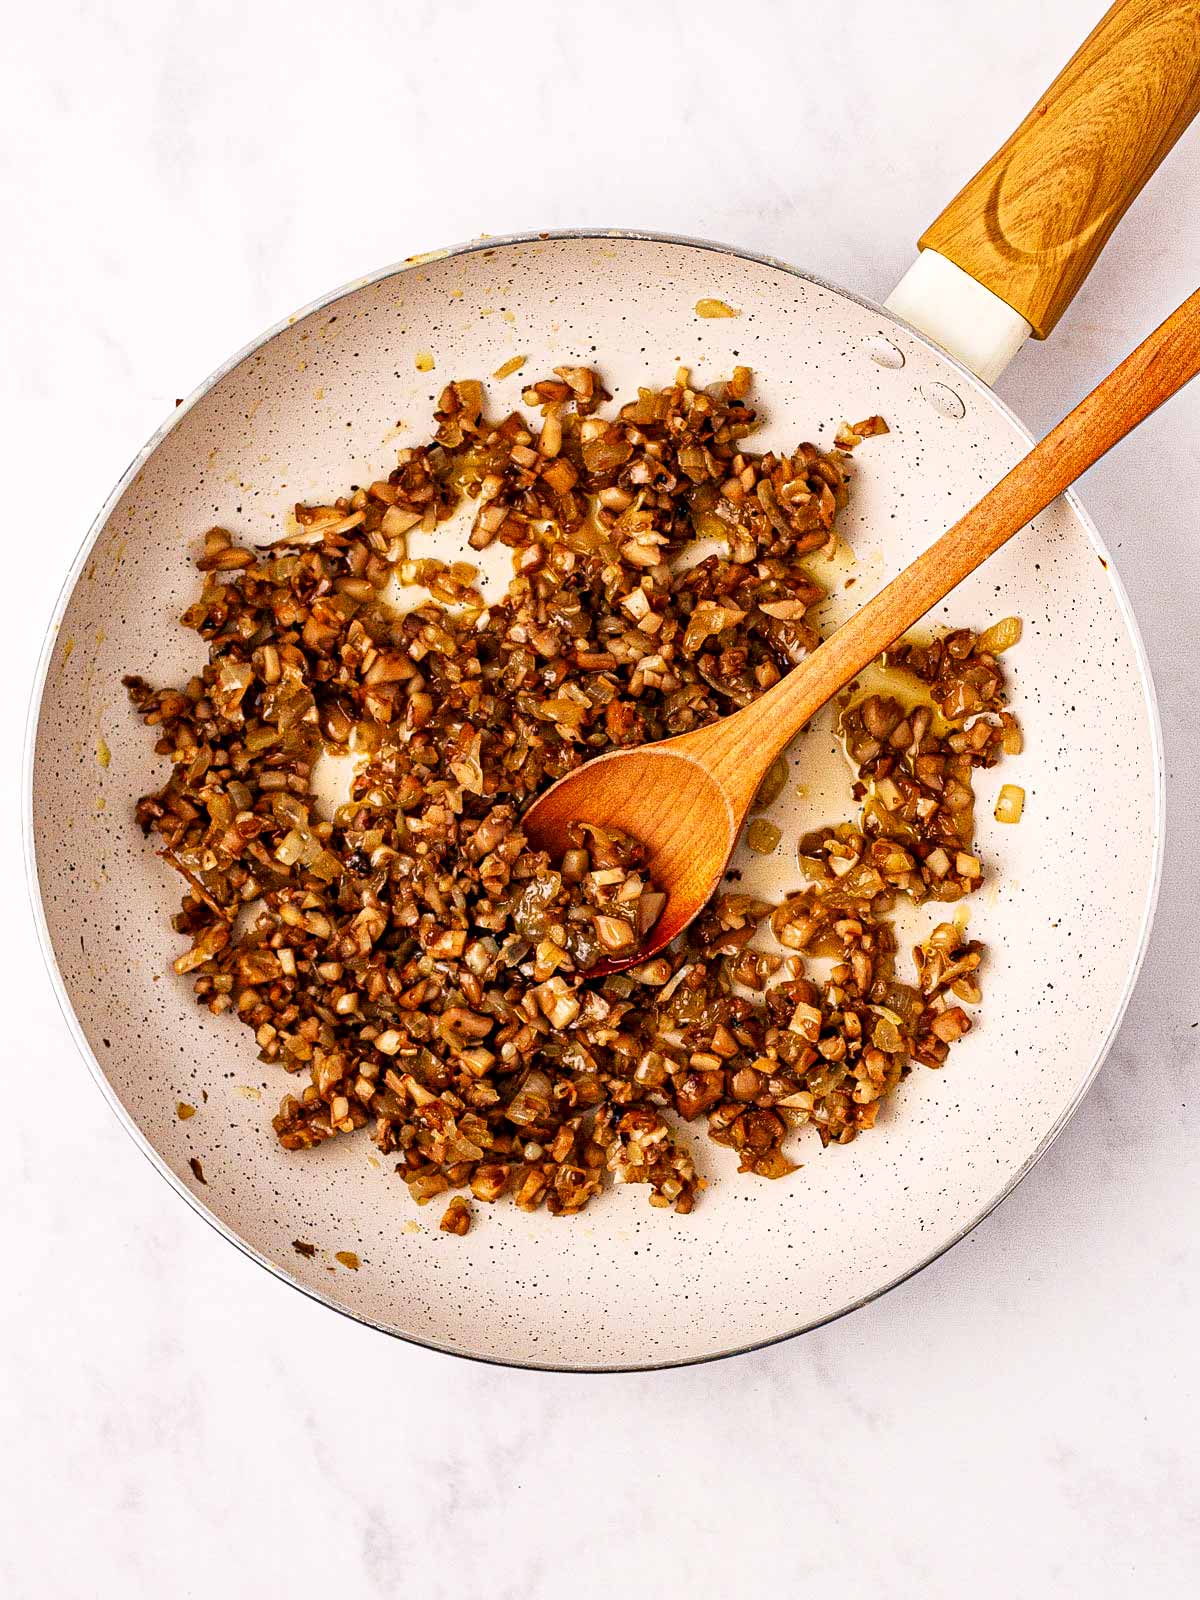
{"points": [[324, 400]]}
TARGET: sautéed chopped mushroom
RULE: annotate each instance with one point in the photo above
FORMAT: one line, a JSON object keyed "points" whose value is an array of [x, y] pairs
{"points": [[413, 965]]}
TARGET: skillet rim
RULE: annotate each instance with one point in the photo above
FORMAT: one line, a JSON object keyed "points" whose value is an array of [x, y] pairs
{"points": [[33, 722]]}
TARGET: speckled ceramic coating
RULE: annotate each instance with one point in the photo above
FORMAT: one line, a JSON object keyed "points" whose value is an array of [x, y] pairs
{"points": [[325, 402]]}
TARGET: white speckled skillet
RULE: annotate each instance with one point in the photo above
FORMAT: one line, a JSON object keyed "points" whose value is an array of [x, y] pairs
{"points": [[324, 400]]}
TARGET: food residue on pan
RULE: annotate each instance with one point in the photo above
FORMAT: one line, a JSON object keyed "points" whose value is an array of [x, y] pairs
{"points": [[197, 1169], [183, 1111], [851, 434], [348, 1259], [715, 308]]}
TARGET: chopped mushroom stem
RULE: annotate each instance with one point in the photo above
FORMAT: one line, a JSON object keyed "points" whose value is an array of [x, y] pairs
{"points": [[417, 967]]}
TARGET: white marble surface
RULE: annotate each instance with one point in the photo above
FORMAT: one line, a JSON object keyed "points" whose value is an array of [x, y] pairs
{"points": [[1019, 1420]]}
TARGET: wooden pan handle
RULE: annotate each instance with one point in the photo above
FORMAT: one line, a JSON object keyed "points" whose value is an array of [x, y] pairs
{"points": [[1031, 223]]}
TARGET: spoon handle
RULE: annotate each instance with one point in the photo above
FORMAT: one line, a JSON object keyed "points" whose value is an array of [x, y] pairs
{"points": [[1160, 366]]}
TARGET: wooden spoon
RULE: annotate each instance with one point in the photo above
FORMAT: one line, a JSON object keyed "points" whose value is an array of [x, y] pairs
{"points": [[687, 798]]}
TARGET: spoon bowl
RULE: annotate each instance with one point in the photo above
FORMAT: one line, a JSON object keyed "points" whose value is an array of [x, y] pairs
{"points": [[664, 796]]}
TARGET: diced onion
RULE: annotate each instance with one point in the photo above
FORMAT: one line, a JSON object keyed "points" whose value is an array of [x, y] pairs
{"points": [[762, 836], [1010, 804], [1000, 636]]}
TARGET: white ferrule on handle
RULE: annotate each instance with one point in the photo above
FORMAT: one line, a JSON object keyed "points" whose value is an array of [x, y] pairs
{"points": [[962, 316]]}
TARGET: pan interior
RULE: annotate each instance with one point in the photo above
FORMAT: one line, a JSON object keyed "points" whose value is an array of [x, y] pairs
{"points": [[325, 403]]}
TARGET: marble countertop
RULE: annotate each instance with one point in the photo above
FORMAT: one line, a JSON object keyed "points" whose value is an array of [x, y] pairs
{"points": [[1019, 1419]]}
